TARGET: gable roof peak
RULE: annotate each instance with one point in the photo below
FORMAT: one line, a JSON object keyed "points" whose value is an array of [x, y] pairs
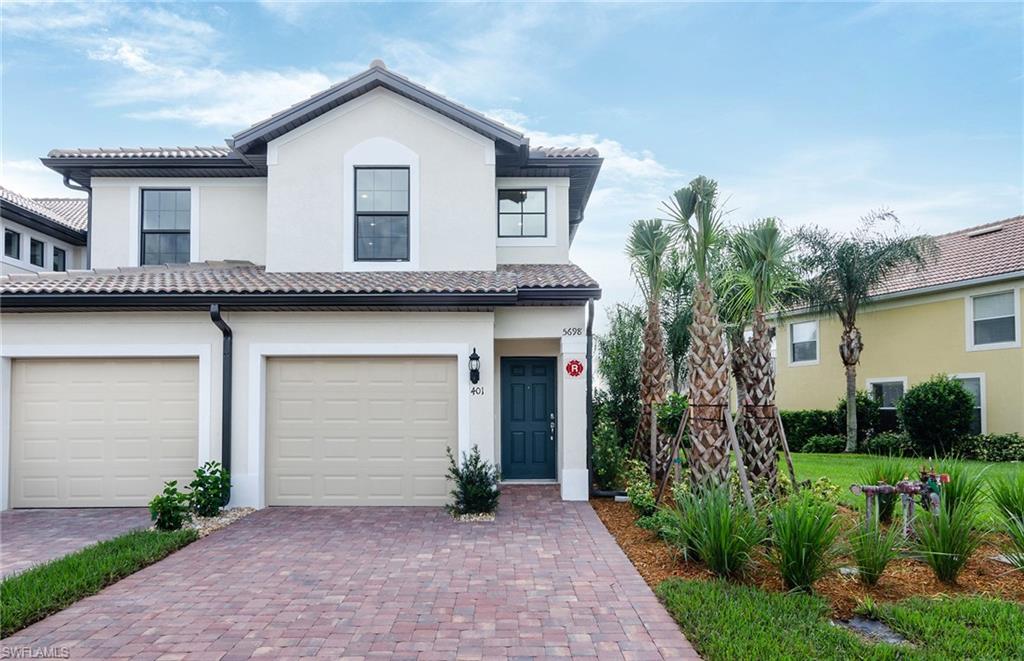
{"points": [[378, 63]]}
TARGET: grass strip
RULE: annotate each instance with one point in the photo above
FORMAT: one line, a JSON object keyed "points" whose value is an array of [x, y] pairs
{"points": [[958, 628], [47, 588]]}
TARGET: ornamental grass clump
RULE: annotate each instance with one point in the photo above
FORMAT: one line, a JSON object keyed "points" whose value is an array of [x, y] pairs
{"points": [[721, 532], [1014, 550], [804, 533], [966, 486], [873, 549], [885, 470], [1007, 494], [946, 541]]}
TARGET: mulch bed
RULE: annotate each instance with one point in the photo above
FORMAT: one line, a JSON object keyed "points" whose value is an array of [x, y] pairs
{"points": [[903, 578]]}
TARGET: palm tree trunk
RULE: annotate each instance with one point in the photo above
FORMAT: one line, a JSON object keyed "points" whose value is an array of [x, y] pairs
{"points": [[849, 350], [760, 432], [708, 376], [654, 376]]}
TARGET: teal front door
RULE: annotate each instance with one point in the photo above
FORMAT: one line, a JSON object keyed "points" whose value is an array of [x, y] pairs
{"points": [[528, 417]]}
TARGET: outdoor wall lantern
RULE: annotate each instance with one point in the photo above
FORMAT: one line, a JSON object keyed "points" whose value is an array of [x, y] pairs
{"points": [[474, 366]]}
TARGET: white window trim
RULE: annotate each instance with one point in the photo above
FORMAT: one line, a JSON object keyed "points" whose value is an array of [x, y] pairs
{"points": [[202, 352], [251, 489], [135, 218], [887, 379], [969, 321], [817, 344], [25, 241], [379, 152], [984, 395]]}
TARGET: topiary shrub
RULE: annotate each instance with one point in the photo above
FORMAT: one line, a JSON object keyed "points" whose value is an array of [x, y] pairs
{"points": [[890, 444], [936, 414], [211, 489], [169, 510], [802, 425], [476, 484], [992, 447], [609, 458], [868, 416], [832, 443]]}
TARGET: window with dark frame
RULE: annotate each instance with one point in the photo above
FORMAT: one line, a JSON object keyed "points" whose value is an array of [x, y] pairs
{"points": [[36, 252], [382, 214], [12, 244], [523, 212], [166, 223], [60, 259]]}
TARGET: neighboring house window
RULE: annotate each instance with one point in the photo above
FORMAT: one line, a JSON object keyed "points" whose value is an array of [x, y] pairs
{"points": [[522, 212], [803, 341], [887, 394], [382, 214], [60, 259], [12, 244], [973, 385], [994, 319], [36, 250], [166, 218]]}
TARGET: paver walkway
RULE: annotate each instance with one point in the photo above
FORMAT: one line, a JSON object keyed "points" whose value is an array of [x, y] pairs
{"points": [[545, 579], [29, 537]]}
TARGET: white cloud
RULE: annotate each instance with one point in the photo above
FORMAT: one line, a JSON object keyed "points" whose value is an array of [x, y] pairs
{"points": [[30, 178]]}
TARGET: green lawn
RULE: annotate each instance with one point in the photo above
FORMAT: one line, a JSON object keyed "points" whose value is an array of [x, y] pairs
{"points": [[725, 621], [846, 469], [35, 593]]}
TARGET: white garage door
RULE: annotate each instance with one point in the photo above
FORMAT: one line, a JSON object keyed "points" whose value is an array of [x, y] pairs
{"points": [[359, 430], [94, 432]]}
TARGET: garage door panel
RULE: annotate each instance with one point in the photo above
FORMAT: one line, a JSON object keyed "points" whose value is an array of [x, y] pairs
{"points": [[377, 428], [101, 432]]}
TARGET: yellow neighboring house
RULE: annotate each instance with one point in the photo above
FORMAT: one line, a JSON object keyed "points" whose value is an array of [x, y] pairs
{"points": [[960, 316]]}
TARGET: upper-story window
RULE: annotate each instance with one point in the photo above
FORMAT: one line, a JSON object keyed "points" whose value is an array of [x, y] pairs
{"points": [[994, 321], [803, 342], [166, 219], [12, 244], [60, 259], [522, 212], [36, 252], [382, 214]]}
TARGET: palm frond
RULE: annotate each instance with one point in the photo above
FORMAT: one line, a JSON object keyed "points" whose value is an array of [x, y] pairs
{"points": [[696, 218], [647, 247]]}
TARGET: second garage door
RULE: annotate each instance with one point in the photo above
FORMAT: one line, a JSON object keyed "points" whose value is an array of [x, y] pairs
{"points": [[360, 430]]}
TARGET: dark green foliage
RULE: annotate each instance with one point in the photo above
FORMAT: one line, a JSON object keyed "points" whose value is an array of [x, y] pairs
{"points": [[804, 532], [43, 590], [890, 444], [885, 470], [609, 459], [639, 488], [936, 414], [618, 364], [170, 510], [476, 484], [659, 522], [722, 533], [802, 425], [670, 414], [992, 447], [948, 540], [210, 490], [966, 485], [873, 549], [868, 416], [830, 444], [1014, 550], [1007, 492]]}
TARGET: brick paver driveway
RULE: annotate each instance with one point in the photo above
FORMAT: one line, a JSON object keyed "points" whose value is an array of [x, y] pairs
{"points": [[28, 537], [545, 579]]}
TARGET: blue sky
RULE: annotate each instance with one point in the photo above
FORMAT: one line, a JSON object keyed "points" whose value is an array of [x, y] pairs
{"points": [[810, 112]]}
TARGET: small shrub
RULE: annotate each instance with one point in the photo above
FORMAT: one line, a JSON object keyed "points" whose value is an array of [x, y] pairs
{"points": [[824, 490], [609, 459], [868, 417], [936, 414], [722, 533], [1007, 494], [890, 444], [679, 529], [804, 533], [169, 510], [476, 484], [657, 522], [873, 549], [211, 489], [802, 425], [639, 488], [947, 541], [670, 414], [966, 486], [992, 447], [830, 444], [1014, 550], [885, 471]]}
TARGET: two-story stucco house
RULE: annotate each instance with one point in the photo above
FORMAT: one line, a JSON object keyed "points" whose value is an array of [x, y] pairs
{"points": [[325, 304], [42, 234]]}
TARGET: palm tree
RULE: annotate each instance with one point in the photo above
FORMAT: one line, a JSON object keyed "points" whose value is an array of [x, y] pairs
{"points": [[764, 276], [677, 315], [842, 274], [647, 247], [695, 215]]}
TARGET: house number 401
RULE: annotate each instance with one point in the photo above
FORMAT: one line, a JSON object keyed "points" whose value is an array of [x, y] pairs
{"points": [[572, 331], [476, 390]]}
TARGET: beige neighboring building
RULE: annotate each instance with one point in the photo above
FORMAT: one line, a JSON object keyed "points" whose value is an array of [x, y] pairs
{"points": [[325, 304], [960, 316]]}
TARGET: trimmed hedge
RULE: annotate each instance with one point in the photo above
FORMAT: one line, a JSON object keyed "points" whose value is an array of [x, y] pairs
{"points": [[802, 425], [826, 443], [992, 447], [937, 414]]}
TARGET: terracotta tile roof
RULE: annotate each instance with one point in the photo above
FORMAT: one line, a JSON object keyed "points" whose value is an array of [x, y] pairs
{"points": [[248, 278], [968, 254], [564, 152], [143, 152], [70, 212]]}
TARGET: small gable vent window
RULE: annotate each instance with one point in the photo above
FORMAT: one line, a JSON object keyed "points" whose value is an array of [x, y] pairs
{"points": [[382, 214], [522, 213]]}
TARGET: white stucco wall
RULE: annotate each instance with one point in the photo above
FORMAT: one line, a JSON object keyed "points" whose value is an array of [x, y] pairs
{"points": [[8, 265], [552, 249], [310, 197], [228, 218]]}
